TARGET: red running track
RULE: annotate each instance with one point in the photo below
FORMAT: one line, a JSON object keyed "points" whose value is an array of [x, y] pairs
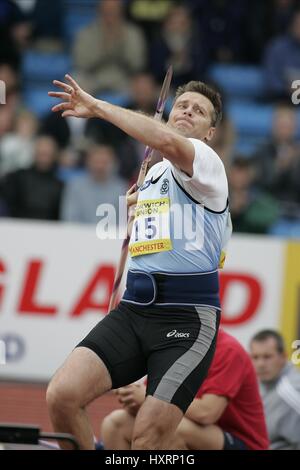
{"points": [[25, 404]]}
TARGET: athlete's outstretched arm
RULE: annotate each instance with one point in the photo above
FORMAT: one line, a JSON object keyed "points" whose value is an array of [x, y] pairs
{"points": [[76, 102]]}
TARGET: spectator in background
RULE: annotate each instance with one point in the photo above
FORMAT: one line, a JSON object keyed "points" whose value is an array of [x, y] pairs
{"points": [[8, 110], [222, 24], [17, 146], [35, 192], [109, 50], [281, 14], [251, 209], [46, 23], [264, 21], [143, 92], [69, 164], [278, 162], [76, 132], [149, 14], [98, 185], [6, 120], [282, 61], [223, 141], [227, 413], [142, 97], [15, 32], [180, 44], [10, 77], [280, 389]]}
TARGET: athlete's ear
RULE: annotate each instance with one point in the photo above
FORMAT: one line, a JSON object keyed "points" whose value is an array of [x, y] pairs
{"points": [[210, 134]]}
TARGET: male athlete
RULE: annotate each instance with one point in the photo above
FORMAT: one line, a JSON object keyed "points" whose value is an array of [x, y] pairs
{"points": [[167, 321]]}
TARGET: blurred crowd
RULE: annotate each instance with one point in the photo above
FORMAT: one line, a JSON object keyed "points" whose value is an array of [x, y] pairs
{"points": [[62, 169]]}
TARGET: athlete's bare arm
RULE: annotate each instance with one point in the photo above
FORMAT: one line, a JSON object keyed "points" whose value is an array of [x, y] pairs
{"points": [[207, 410], [76, 102]]}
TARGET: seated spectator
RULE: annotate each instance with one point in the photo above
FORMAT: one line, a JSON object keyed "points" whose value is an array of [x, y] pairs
{"points": [[143, 93], [15, 31], [223, 27], [17, 146], [264, 21], [75, 132], [6, 120], [44, 20], [227, 412], [108, 51], [35, 192], [280, 389], [12, 99], [78, 133], [223, 141], [69, 164], [47, 25], [149, 14], [98, 185], [282, 61], [252, 210], [142, 97], [9, 76], [181, 45], [278, 162]]}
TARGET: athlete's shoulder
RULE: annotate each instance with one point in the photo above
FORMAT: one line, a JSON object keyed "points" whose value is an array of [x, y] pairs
{"points": [[203, 150]]}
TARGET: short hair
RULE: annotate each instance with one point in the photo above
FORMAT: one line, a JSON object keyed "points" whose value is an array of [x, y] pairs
{"points": [[266, 334], [243, 162], [209, 92]]}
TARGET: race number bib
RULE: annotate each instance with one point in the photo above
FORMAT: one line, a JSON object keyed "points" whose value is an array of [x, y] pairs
{"points": [[151, 227]]}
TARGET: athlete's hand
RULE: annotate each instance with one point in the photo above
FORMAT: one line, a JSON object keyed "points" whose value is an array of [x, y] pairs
{"points": [[132, 196], [132, 397], [76, 102]]}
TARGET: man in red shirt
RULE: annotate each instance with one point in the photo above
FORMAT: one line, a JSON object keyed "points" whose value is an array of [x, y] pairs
{"points": [[226, 414]]}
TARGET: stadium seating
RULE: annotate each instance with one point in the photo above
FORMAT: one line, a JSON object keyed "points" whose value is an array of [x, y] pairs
{"points": [[78, 14], [38, 101], [38, 67], [38, 71], [238, 81]]}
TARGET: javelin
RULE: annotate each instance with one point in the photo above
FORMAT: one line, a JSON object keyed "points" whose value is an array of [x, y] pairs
{"points": [[143, 171]]}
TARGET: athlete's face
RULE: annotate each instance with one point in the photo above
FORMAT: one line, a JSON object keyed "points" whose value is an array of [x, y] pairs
{"points": [[267, 360], [191, 116]]}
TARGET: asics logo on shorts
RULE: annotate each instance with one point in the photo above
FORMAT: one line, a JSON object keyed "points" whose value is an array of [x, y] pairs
{"points": [[175, 334]]}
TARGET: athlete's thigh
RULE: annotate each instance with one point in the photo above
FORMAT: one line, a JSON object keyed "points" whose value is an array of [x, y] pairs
{"points": [[115, 342], [181, 355], [82, 378]]}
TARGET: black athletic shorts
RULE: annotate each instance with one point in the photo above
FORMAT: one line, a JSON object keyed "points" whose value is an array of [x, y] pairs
{"points": [[172, 345]]}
